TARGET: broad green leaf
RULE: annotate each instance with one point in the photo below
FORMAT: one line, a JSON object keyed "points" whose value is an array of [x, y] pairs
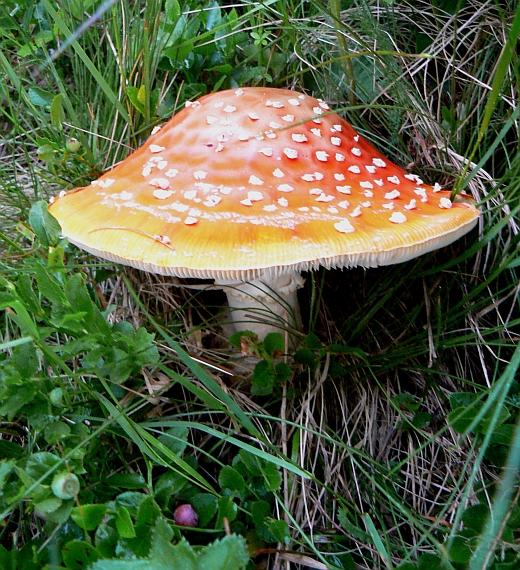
{"points": [[274, 342], [231, 480], [225, 554], [57, 114], [45, 226], [88, 517], [77, 554], [124, 524], [206, 506]]}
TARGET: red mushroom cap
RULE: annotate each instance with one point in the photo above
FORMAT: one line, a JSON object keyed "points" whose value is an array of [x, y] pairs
{"points": [[259, 180]]}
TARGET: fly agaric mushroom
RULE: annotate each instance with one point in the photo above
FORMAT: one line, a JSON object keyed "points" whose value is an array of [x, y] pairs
{"points": [[252, 186]]}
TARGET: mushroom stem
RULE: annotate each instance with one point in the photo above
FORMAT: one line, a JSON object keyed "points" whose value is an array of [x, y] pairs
{"points": [[264, 305]]}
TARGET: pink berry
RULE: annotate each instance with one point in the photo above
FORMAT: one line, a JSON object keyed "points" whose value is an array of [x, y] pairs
{"points": [[185, 515]]}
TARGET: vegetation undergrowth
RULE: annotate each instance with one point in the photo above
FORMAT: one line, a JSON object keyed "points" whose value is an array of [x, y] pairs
{"points": [[389, 436]]}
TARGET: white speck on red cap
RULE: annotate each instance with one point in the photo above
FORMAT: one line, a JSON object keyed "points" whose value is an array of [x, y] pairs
{"points": [[344, 189], [325, 198], [379, 162], [336, 141], [445, 203], [412, 204], [392, 195], [340, 157], [339, 176], [212, 201], [344, 226], [394, 179], [255, 180], [200, 174], [356, 212], [290, 153], [191, 221], [285, 188], [155, 148], [255, 196], [162, 183], [253, 116], [277, 173], [322, 155], [211, 119], [421, 192], [356, 151], [299, 137], [315, 131], [366, 184], [397, 218], [354, 169], [266, 151]]}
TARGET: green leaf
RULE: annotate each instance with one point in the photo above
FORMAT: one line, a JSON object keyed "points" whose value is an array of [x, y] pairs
{"points": [[133, 94], [263, 379], [40, 464], [45, 226], [225, 554], [475, 517], [176, 439], [462, 417], [279, 529], [274, 342], [77, 554], [126, 481], [124, 524], [206, 507], [460, 550], [88, 517], [39, 97], [48, 506], [57, 114], [231, 480], [226, 509], [272, 476], [172, 10], [56, 431]]}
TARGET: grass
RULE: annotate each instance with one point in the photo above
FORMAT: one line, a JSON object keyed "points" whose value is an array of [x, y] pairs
{"points": [[391, 441]]}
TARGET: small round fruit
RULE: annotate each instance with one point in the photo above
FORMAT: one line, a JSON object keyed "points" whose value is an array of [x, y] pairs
{"points": [[65, 485], [56, 397], [73, 145], [185, 515]]}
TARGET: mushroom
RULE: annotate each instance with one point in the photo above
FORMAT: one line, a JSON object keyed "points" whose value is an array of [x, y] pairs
{"points": [[251, 186]]}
